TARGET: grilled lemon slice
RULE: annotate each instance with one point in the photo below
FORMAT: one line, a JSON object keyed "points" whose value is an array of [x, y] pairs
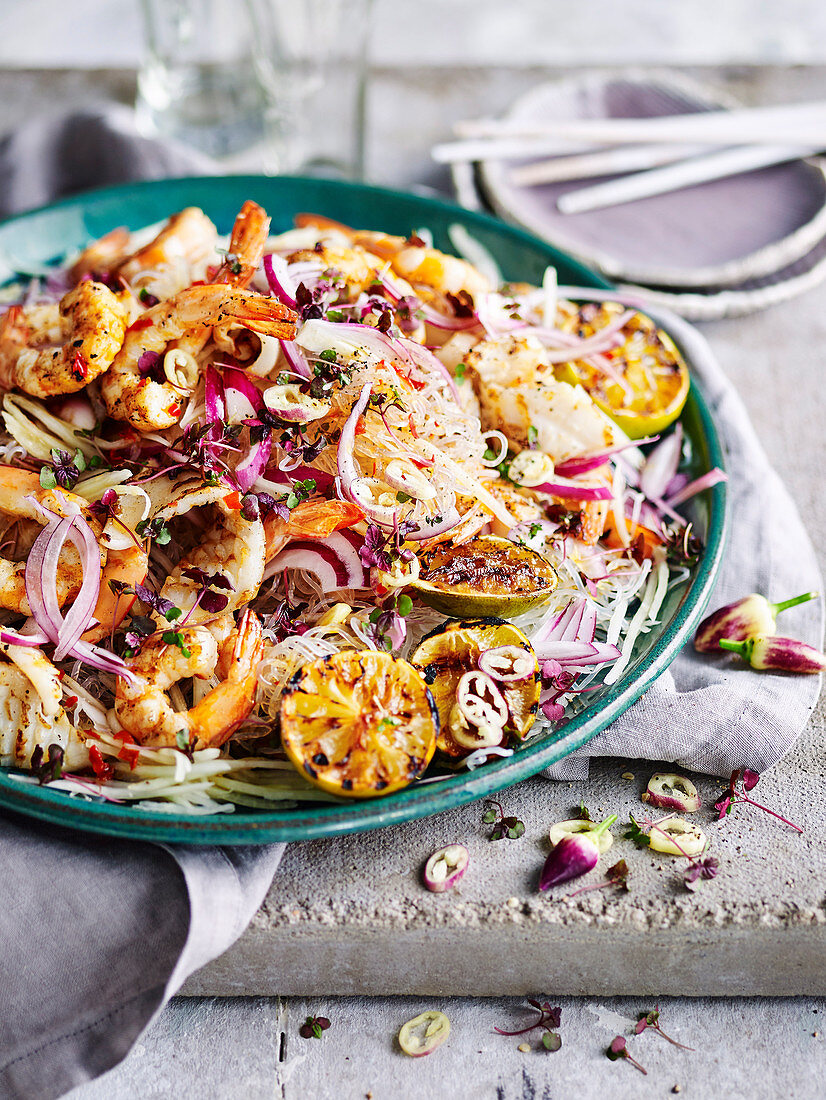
{"points": [[485, 576], [650, 378], [453, 649], [359, 723]]}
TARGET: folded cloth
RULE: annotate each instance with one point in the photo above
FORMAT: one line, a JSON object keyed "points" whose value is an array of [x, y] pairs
{"points": [[97, 934], [59, 154], [713, 714]]}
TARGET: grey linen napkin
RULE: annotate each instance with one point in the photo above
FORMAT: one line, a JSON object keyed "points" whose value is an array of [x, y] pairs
{"points": [[97, 934], [714, 714]]}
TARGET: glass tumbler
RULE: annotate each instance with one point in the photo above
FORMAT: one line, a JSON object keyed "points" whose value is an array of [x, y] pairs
{"points": [[278, 85], [311, 57], [198, 84]]}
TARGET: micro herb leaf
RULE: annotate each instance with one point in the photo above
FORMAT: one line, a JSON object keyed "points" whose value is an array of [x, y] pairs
{"points": [[634, 832], [459, 371], [313, 1027], [50, 768], [510, 827], [749, 780], [618, 1051], [651, 1020], [547, 1018]]}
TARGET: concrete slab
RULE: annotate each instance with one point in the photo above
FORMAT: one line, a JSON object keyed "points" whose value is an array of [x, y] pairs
{"points": [[250, 1048], [350, 916]]}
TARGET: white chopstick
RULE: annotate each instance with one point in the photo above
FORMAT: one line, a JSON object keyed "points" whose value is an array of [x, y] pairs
{"points": [[604, 162], [674, 177], [503, 139], [641, 129]]}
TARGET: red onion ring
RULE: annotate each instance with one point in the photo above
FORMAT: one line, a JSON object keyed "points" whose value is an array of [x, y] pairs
{"points": [[280, 282]]}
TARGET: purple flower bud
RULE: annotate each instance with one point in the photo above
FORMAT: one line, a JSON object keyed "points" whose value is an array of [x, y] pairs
{"points": [[573, 856], [745, 618], [785, 654]]}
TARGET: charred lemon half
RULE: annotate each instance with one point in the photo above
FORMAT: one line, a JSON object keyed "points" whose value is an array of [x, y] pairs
{"points": [[359, 723], [648, 384], [453, 649], [484, 576]]}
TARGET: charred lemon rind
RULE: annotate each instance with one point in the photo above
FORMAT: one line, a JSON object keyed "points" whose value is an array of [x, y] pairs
{"points": [[646, 349], [454, 648], [484, 576], [359, 724]]}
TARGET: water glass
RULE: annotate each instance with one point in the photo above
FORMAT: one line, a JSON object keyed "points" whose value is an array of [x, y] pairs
{"points": [[278, 85]]}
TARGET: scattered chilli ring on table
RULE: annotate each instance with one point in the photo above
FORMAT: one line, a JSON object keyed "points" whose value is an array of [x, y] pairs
{"points": [[299, 516]]}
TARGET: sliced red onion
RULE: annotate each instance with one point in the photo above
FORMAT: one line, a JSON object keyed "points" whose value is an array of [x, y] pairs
{"points": [[242, 397], [298, 364], [11, 637], [571, 490], [576, 655], [82, 609], [253, 464], [214, 396], [573, 467], [661, 465], [41, 591], [347, 471], [281, 283], [334, 560], [713, 477], [508, 663]]}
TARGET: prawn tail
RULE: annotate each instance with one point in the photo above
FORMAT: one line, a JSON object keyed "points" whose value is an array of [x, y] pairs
{"points": [[248, 646], [266, 315]]}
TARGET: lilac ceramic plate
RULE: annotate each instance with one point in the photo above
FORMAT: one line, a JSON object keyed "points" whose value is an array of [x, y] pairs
{"points": [[708, 237]]}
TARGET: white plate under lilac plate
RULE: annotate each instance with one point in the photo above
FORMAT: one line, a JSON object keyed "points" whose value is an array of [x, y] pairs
{"points": [[715, 235]]}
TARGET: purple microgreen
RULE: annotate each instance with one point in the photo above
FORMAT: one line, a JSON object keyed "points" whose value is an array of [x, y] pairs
{"points": [[285, 621], [387, 627], [698, 870], [211, 601], [301, 490], [618, 1050], [548, 1020], [154, 529], [374, 552], [105, 508], [328, 374], [50, 768], [313, 1027], [141, 628], [734, 795], [510, 827], [64, 470], [682, 546], [584, 814], [617, 875], [652, 1020]]}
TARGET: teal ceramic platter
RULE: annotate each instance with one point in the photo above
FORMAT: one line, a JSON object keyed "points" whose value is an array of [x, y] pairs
{"points": [[42, 237]]}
